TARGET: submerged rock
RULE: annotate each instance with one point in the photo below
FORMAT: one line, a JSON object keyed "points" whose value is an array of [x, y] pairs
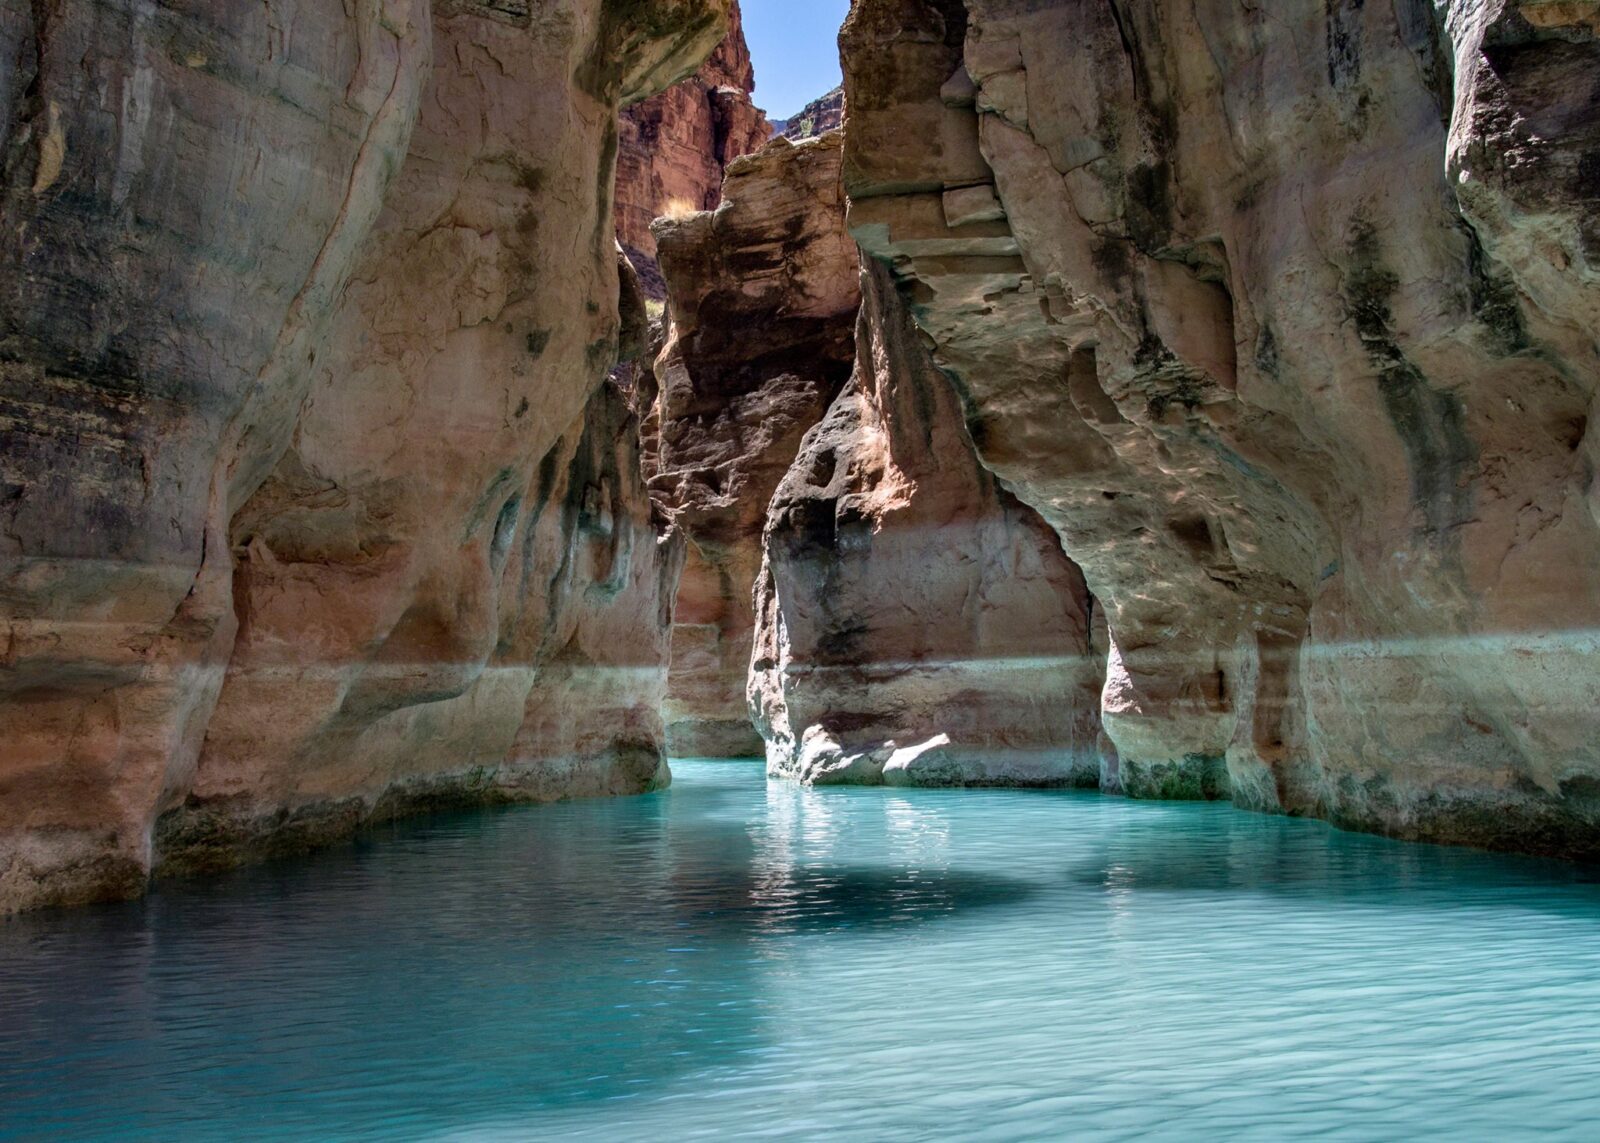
{"points": [[916, 624], [1296, 352]]}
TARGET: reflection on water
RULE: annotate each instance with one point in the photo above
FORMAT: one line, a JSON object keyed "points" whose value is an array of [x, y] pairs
{"points": [[730, 959]]}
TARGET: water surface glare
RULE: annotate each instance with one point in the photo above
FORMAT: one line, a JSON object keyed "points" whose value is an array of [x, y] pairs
{"points": [[733, 959]]}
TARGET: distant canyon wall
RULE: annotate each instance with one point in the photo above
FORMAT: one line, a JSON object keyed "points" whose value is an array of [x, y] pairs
{"points": [[315, 504], [821, 115], [762, 296], [1296, 350], [675, 147], [894, 615], [916, 625]]}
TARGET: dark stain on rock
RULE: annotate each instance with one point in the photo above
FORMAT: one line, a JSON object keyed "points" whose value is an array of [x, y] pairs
{"points": [[1423, 34], [1194, 778], [1344, 42], [1588, 190], [1149, 208], [1430, 423], [1494, 299], [1110, 257], [1267, 352], [514, 12], [1588, 178]]}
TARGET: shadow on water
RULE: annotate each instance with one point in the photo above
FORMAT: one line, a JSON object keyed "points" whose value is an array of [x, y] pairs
{"points": [[835, 898], [1222, 850], [512, 960]]}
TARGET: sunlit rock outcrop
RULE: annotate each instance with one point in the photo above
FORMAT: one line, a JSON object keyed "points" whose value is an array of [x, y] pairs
{"points": [[675, 147], [763, 296], [818, 117], [293, 349], [916, 624], [1284, 318]]}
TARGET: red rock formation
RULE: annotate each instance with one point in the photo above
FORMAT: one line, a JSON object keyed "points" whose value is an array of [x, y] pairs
{"points": [[916, 624], [763, 296], [177, 228], [675, 147], [817, 117], [565, 703], [259, 375], [1297, 355]]}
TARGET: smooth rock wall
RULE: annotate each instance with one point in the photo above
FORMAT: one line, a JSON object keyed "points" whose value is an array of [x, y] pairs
{"points": [[1296, 349], [185, 193], [304, 300], [565, 701]]}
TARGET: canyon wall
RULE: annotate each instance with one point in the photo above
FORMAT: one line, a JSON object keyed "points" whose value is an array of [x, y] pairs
{"points": [[916, 624], [818, 117], [309, 478], [674, 147], [1284, 317], [762, 296], [856, 581]]}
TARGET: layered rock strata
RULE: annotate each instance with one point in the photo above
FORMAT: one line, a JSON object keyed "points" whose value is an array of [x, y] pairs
{"points": [[917, 625], [562, 700], [674, 148], [763, 297], [294, 351], [1297, 352], [817, 117]]}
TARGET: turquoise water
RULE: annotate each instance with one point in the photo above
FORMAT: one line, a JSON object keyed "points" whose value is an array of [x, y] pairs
{"points": [[731, 959]]}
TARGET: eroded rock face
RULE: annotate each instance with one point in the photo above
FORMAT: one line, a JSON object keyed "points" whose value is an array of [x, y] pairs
{"points": [[675, 147], [818, 117], [1297, 353], [563, 702], [763, 297], [916, 624], [207, 430], [185, 193]]}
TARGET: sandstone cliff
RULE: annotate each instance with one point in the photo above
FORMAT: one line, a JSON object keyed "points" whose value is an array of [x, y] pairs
{"points": [[674, 148], [817, 117], [1297, 352], [291, 350], [763, 297], [916, 624]]}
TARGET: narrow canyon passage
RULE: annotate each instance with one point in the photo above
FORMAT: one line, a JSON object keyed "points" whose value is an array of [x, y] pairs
{"points": [[733, 959], [839, 569]]}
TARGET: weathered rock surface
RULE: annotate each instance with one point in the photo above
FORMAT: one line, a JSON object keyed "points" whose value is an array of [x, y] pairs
{"points": [[817, 117], [1297, 352], [674, 148], [258, 376], [562, 699], [185, 193], [917, 625], [763, 297]]}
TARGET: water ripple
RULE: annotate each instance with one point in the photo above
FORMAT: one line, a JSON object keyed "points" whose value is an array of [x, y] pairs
{"points": [[732, 959]]}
